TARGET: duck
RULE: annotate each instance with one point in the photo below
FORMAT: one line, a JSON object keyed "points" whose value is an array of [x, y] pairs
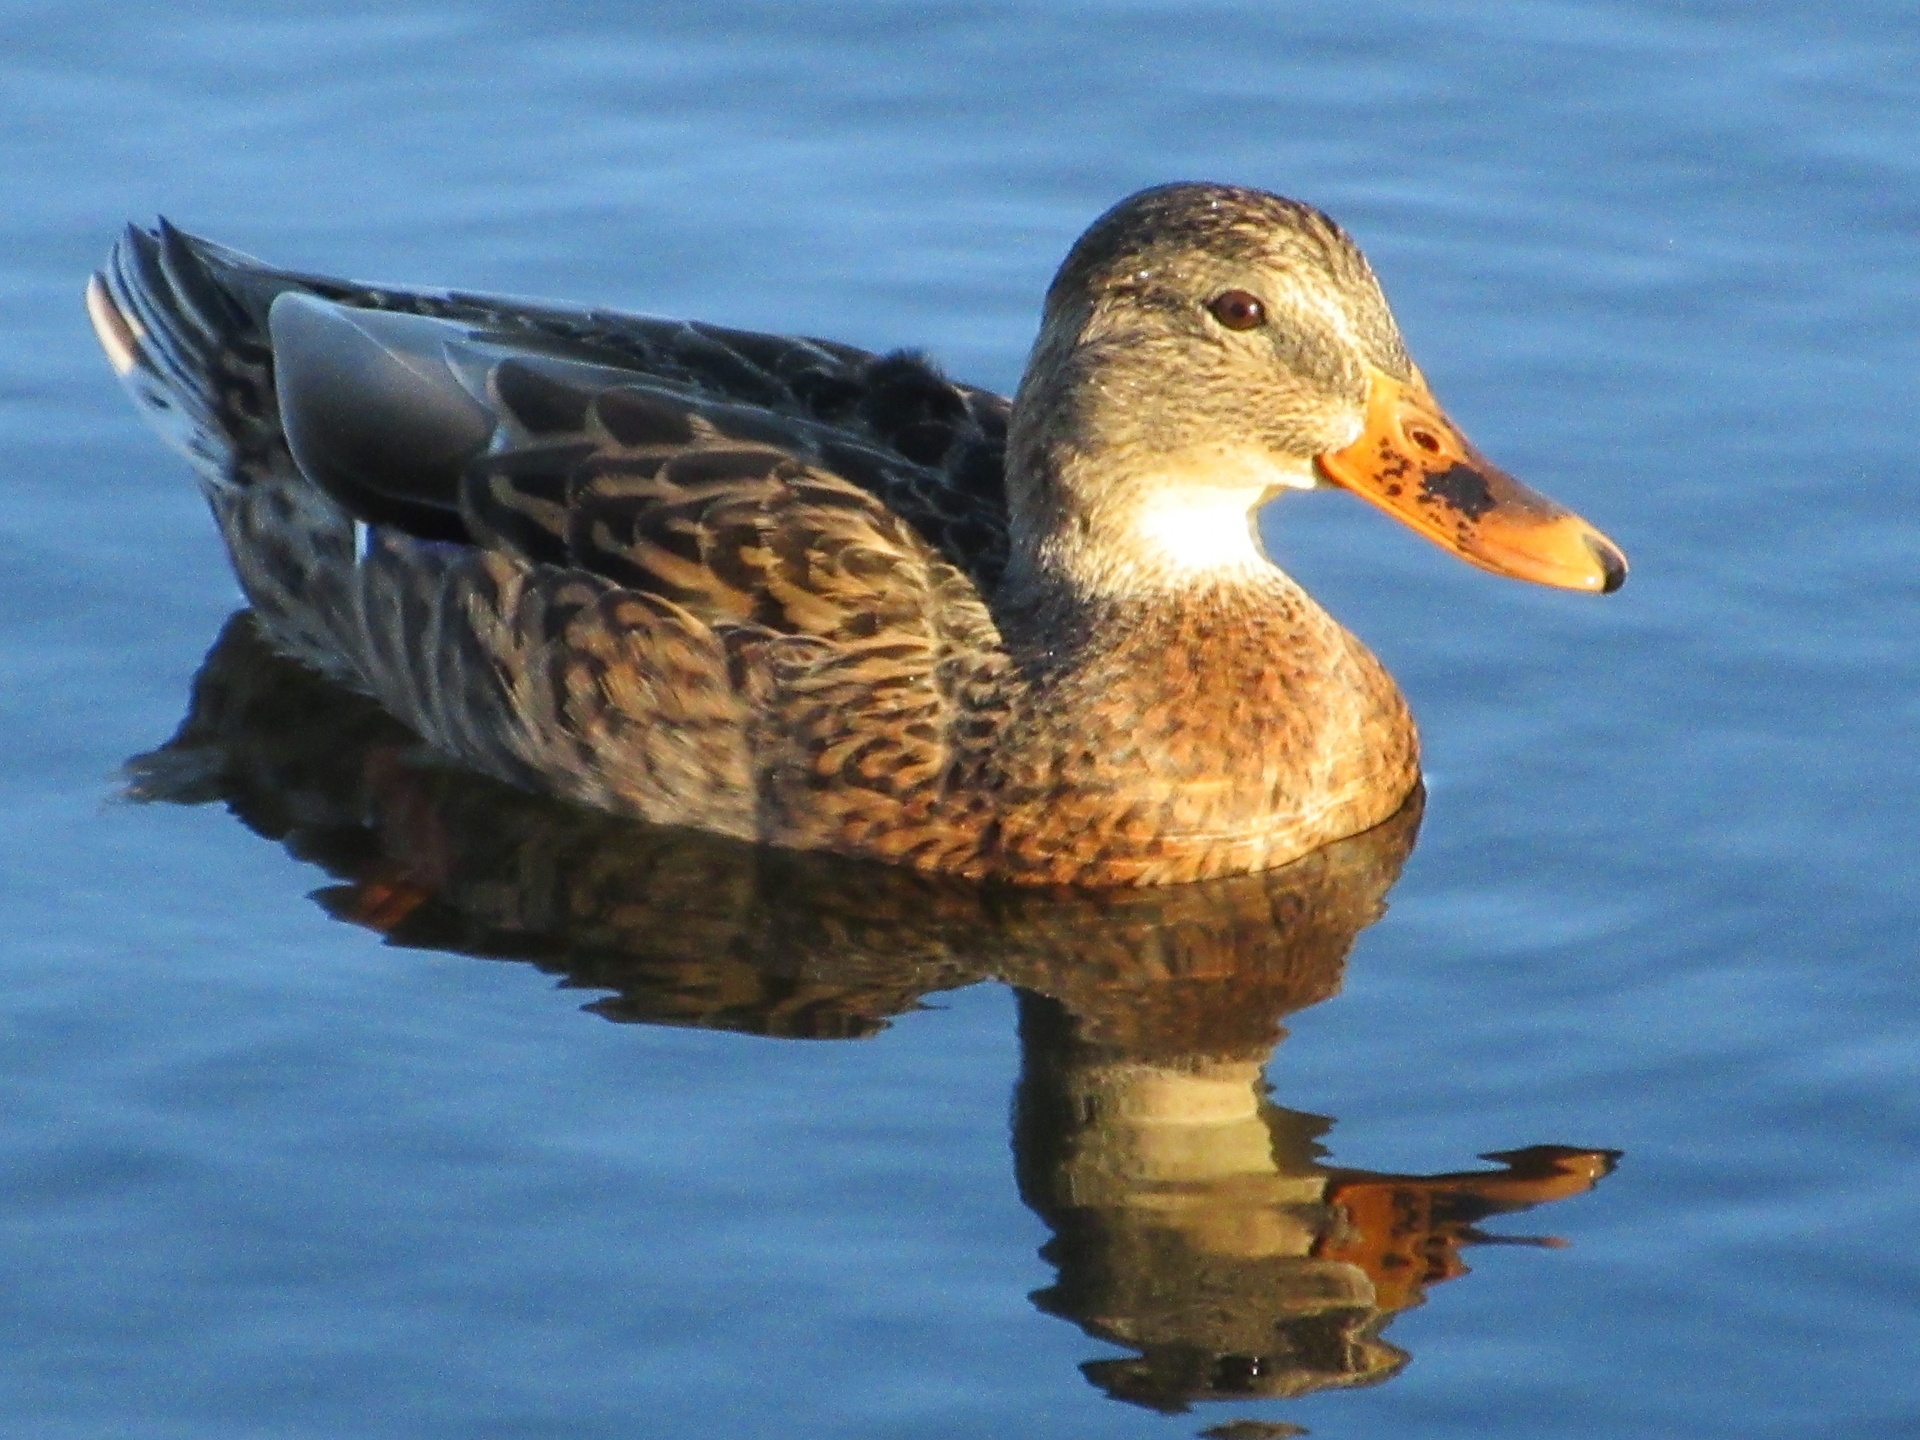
{"points": [[797, 593]]}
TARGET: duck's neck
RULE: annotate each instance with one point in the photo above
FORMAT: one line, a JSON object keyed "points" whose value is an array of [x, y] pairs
{"points": [[1179, 730], [1158, 642], [1090, 532], [1155, 621], [1136, 592]]}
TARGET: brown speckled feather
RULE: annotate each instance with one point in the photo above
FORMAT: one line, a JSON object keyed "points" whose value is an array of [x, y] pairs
{"points": [[765, 587]]}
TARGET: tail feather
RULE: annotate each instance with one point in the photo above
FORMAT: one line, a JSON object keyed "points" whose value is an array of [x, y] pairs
{"points": [[203, 303], [185, 324], [195, 359], [186, 332]]}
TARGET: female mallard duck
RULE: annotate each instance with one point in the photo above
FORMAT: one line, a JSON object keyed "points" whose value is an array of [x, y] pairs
{"points": [[793, 592]]}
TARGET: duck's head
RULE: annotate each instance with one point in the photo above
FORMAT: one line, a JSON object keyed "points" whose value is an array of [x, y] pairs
{"points": [[1204, 347]]}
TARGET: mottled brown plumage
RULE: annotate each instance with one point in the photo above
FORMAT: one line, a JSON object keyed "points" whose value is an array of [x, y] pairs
{"points": [[792, 592]]}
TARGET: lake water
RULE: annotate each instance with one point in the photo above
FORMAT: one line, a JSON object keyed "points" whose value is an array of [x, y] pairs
{"points": [[359, 1100]]}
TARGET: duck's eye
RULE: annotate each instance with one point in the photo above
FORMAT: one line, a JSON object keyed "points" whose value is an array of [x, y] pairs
{"points": [[1237, 310]]}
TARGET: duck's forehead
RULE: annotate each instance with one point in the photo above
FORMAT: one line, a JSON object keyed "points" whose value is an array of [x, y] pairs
{"points": [[1205, 231]]}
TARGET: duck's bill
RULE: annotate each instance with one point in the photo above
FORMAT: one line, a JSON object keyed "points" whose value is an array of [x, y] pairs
{"points": [[1413, 462]]}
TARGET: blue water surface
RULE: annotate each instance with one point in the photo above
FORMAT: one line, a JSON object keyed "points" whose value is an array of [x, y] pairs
{"points": [[264, 1175]]}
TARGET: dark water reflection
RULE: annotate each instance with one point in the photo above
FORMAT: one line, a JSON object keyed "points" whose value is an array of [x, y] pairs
{"points": [[1194, 1220]]}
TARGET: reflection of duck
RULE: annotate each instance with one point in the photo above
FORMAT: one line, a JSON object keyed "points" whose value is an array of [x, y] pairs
{"points": [[787, 591], [1195, 1222]]}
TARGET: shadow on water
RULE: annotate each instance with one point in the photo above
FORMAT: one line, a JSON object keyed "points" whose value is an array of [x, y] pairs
{"points": [[1194, 1221]]}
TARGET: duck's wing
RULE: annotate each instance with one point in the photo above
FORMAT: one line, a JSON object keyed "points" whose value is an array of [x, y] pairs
{"points": [[450, 416], [626, 585]]}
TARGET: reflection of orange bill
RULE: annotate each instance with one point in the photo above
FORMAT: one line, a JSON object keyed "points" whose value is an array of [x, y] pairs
{"points": [[1406, 1231], [1413, 462]]}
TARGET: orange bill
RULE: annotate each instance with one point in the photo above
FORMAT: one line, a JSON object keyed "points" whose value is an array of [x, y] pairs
{"points": [[1413, 462]]}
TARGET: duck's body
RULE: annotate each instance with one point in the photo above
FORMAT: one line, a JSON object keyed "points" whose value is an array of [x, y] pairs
{"points": [[792, 592]]}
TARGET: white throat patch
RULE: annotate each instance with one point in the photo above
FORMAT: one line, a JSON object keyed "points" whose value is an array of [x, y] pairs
{"points": [[1208, 527]]}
